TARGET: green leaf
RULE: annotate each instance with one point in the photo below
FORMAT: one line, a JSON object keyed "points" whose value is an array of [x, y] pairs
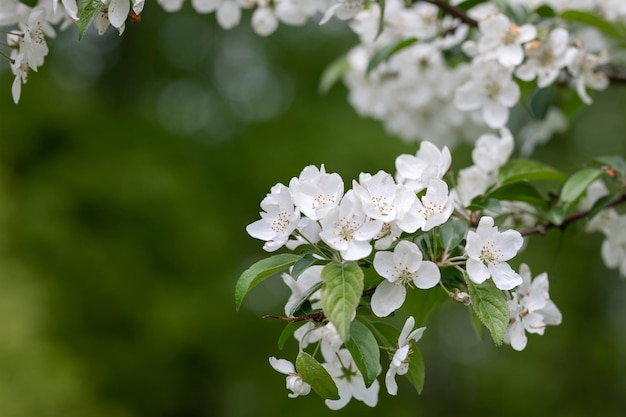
{"points": [[371, 278], [304, 298], [421, 303], [364, 350], [601, 204], [87, 11], [541, 101], [316, 376], [333, 73], [452, 233], [518, 191], [577, 184], [258, 272], [489, 304], [288, 332], [302, 265], [593, 19], [468, 4], [528, 170], [387, 52], [381, 18], [545, 11], [613, 161], [341, 293], [386, 334], [417, 372]]}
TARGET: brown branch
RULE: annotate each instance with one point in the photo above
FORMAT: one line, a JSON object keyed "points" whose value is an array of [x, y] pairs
{"points": [[542, 229], [317, 317], [453, 11]]}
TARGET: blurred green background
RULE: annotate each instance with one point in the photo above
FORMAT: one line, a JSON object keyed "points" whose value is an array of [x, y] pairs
{"points": [[128, 173]]}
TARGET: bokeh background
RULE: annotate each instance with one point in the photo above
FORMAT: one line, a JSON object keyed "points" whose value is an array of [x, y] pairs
{"points": [[128, 173]]}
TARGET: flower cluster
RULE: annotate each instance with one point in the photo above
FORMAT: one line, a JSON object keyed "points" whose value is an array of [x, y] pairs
{"points": [[409, 232]]}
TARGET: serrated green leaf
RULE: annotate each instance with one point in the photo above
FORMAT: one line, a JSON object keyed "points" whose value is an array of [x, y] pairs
{"points": [[613, 161], [417, 371], [316, 376], [333, 73], [421, 303], [528, 170], [452, 233], [341, 293], [577, 184], [593, 19], [518, 191], [304, 298], [261, 270], [364, 350], [387, 52], [288, 332], [601, 204], [489, 304], [87, 12]]}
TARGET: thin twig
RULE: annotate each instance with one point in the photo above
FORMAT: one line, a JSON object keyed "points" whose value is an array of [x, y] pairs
{"points": [[542, 229], [453, 11]]}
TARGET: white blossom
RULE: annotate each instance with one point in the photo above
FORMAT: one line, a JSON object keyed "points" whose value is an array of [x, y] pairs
{"points": [[400, 362], [491, 90], [294, 381], [400, 268], [349, 381], [278, 219], [315, 192], [488, 250], [348, 229], [531, 309], [416, 172], [545, 59]]}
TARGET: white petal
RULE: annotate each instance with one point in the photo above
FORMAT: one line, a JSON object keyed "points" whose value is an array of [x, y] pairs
{"points": [[282, 365], [390, 381], [428, 275], [118, 12], [387, 298], [504, 276], [477, 271], [228, 14]]}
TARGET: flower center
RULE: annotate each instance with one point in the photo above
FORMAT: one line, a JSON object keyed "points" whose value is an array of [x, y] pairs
{"points": [[489, 254], [382, 205], [280, 224]]}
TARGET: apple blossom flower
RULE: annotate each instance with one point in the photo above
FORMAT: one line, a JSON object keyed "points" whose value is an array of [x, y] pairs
{"points": [[400, 362], [348, 229], [502, 40], [315, 192], [294, 381], [416, 172], [278, 219], [349, 381], [488, 250], [583, 68], [385, 200], [328, 336], [435, 207], [491, 90], [491, 152], [400, 268], [545, 59], [531, 309]]}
